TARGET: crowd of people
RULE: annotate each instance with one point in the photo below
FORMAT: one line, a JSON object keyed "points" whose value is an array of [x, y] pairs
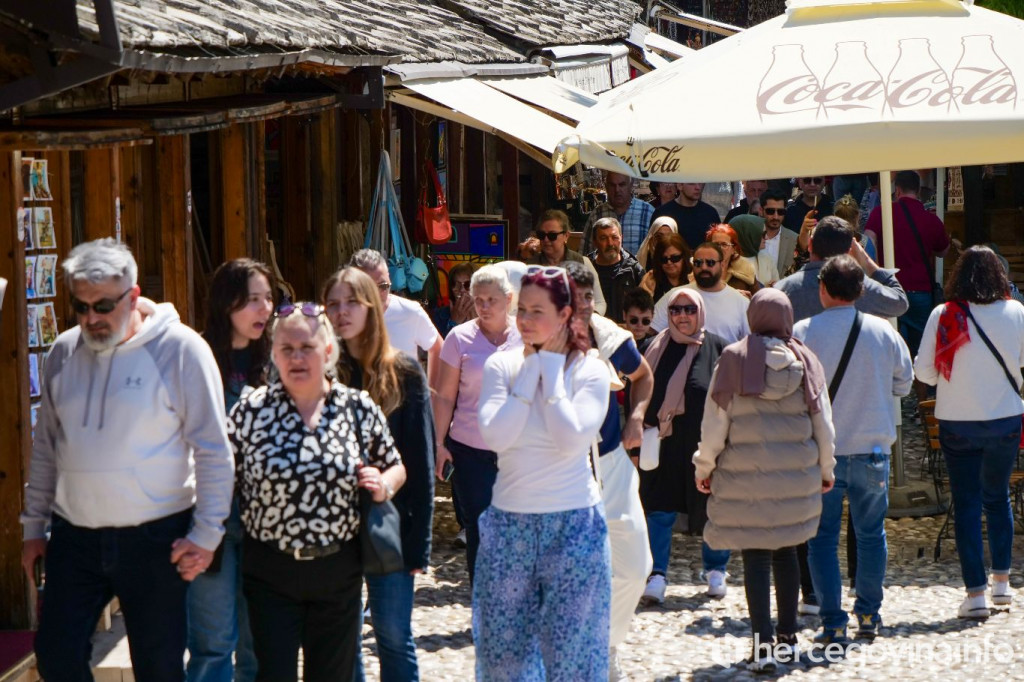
{"points": [[579, 403]]}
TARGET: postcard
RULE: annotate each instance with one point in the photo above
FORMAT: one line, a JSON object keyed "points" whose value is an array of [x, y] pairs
{"points": [[45, 232], [33, 325], [30, 276], [26, 177], [40, 181], [47, 324], [46, 276], [25, 231], [33, 375]]}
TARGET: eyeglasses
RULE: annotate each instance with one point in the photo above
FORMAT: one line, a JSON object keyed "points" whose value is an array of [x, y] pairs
{"points": [[550, 236], [309, 309], [645, 321], [687, 309], [774, 211], [724, 245], [384, 287], [104, 306], [812, 181], [458, 284], [549, 273], [705, 262], [674, 258]]}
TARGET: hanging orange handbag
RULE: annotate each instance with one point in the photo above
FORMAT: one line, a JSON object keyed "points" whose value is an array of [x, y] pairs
{"points": [[433, 225]]}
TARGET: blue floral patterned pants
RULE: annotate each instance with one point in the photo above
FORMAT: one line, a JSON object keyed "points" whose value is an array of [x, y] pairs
{"points": [[541, 597]]}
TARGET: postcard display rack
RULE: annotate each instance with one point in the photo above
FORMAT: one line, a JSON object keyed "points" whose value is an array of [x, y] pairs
{"points": [[36, 228]]}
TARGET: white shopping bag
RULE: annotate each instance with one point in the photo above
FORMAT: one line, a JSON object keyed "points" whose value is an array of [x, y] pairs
{"points": [[650, 448]]}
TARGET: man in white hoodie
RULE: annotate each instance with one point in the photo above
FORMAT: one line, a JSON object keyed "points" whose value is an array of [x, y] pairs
{"points": [[131, 468]]}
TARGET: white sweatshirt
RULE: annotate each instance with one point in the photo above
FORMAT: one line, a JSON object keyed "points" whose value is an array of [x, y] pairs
{"points": [[132, 434], [542, 418]]}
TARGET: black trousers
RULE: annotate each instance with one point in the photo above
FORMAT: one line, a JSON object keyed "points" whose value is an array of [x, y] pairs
{"points": [[758, 565], [312, 604]]}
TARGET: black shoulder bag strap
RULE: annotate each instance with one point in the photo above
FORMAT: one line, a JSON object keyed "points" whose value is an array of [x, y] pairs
{"points": [[929, 263], [991, 347], [851, 341]]}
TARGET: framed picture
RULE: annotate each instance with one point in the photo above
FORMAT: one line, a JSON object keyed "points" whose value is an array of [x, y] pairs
{"points": [[47, 324], [26, 177], [40, 181], [30, 276], [33, 325], [45, 232], [33, 375], [46, 276]]}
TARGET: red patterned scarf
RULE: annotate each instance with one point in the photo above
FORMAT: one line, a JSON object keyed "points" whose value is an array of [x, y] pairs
{"points": [[951, 334]]}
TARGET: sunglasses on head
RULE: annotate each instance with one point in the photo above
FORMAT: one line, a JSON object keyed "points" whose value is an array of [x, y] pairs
{"points": [[674, 258], [686, 308], [702, 262], [104, 306], [813, 181], [549, 273], [774, 211], [309, 309], [645, 321], [550, 236]]}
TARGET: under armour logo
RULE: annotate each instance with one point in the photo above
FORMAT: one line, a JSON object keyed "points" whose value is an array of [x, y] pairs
{"points": [[133, 383]]}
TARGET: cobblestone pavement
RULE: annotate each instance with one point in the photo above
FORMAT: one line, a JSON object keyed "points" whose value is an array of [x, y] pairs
{"points": [[694, 637]]}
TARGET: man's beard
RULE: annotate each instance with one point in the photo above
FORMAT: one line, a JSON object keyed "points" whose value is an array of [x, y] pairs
{"points": [[705, 280], [115, 337]]}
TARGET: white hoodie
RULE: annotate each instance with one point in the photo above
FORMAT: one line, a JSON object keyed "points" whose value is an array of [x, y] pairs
{"points": [[132, 434]]}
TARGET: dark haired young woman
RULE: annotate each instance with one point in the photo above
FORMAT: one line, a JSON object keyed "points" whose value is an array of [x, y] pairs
{"points": [[542, 589], [239, 306]]}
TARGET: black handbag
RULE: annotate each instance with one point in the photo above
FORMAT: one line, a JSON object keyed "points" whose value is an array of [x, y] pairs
{"points": [[938, 295], [380, 527]]}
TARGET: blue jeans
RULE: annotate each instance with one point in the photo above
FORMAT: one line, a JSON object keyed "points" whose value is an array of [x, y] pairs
{"points": [[911, 323], [864, 479], [218, 617], [85, 569], [390, 600], [659, 532], [475, 471], [980, 456]]}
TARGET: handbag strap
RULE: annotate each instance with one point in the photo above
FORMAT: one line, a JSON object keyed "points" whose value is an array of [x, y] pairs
{"points": [[928, 263], [851, 341], [992, 348]]}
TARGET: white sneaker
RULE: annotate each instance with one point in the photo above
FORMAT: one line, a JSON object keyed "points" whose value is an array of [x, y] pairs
{"points": [[654, 593], [716, 584], [1002, 595], [762, 664], [805, 609], [974, 608], [852, 594], [615, 673], [460, 539]]}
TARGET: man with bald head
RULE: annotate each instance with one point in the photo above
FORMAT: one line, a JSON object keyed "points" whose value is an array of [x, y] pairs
{"points": [[633, 215]]}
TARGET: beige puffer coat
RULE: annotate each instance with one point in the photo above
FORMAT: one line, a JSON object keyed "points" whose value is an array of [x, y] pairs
{"points": [[767, 457]]}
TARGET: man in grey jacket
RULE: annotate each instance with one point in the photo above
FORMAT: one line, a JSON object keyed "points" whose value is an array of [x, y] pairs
{"points": [[883, 295], [131, 468], [865, 431]]}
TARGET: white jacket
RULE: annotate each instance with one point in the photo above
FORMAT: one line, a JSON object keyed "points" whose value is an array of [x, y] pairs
{"points": [[132, 434]]}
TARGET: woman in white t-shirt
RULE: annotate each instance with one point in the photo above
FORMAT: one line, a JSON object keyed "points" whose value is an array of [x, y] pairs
{"points": [[542, 592]]}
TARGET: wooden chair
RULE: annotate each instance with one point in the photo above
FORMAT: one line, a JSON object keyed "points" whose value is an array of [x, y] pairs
{"points": [[935, 465]]}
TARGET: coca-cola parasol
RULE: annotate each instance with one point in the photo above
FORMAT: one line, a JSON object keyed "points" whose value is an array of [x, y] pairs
{"points": [[828, 88]]}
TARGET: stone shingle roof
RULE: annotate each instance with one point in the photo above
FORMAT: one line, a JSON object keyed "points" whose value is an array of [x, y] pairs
{"points": [[552, 22], [416, 30]]}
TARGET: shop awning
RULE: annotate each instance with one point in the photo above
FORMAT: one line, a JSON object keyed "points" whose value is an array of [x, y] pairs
{"points": [[474, 100], [667, 46], [548, 93]]}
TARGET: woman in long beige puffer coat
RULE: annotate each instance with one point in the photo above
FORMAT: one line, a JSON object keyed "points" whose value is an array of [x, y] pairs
{"points": [[766, 457]]}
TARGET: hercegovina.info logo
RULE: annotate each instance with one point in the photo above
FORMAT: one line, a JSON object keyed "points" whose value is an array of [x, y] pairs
{"points": [[947, 652]]}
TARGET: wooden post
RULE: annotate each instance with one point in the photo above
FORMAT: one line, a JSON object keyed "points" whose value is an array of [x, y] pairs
{"points": [[133, 207], [101, 191], [351, 175], [15, 426], [256, 161], [173, 177], [456, 163], [295, 252], [324, 187], [233, 169], [475, 185], [510, 193], [975, 229]]}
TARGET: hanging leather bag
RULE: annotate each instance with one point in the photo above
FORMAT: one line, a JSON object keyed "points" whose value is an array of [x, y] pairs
{"points": [[433, 224]]}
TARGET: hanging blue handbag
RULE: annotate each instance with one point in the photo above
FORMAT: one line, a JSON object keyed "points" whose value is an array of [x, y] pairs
{"points": [[407, 272]]}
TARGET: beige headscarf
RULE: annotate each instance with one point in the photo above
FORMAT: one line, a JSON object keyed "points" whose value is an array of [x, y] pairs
{"points": [[645, 247]]}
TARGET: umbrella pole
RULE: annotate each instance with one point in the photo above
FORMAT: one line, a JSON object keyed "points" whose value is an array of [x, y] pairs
{"points": [[885, 201]]}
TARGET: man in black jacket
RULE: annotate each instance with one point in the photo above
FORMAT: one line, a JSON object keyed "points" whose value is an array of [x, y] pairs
{"points": [[617, 270]]}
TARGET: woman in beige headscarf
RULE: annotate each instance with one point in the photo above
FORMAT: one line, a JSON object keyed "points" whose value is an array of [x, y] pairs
{"points": [[765, 457], [660, 226]]}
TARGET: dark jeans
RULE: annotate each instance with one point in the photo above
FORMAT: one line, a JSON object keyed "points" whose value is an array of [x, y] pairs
{"points": [[85, 569], [758, 566], [806, 582], [980, 456], [911, 323], [475, 471], [311, 604], [390, 599]]}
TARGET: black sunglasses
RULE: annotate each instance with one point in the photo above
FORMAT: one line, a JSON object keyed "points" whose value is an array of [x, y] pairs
{"points": [[550, 236], [813, 181], [308, 309], [104, 306], [637, 320], [701, 262], [688, 308], [674, 258], [774, 211]]}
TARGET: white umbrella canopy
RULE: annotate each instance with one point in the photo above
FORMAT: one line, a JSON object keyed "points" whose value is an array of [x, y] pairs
{"points": [[840, 86]]}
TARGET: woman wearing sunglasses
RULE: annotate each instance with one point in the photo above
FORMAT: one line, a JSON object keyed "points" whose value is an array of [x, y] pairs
{"points": [[671, 266], [301, 443], [542, 592], [683, 357], [737, 272], [238, 309], [659, 227], [395, 382]]}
